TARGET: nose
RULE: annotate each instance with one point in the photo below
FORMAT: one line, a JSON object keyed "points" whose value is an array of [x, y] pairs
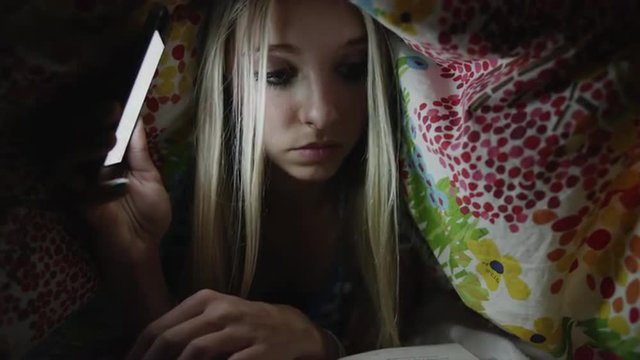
{"points": [[321, 105]]}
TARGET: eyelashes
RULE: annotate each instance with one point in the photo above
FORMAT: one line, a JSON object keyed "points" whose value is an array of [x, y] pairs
{"points": [[281, 77], [350, 73]]}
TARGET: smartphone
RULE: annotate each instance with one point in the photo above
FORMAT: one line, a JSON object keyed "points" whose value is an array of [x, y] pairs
{"points": [[143, 68]]}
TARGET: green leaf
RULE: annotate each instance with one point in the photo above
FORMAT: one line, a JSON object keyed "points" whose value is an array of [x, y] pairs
{"points": [[472, 293], [459, 275], [607, 338], [628, 348], [478, 233], [449, 229], [471, 286], [378, 12], [593, 324], [402, 66], [565, 345], [464, 259]]}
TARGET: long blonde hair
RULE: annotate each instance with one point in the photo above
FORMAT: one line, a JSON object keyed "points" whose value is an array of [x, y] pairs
{"points": [[230, 160]]}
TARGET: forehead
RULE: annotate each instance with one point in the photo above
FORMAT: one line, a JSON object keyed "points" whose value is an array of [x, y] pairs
{"points": [[314, 22]]}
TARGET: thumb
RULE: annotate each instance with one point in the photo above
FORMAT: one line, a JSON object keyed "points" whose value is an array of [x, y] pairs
{"points": [[138, 152]]}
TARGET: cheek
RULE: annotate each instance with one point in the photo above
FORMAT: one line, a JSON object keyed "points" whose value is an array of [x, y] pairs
{"points": [[277, 116], [357, 114], [275, 109], [280, 108]]}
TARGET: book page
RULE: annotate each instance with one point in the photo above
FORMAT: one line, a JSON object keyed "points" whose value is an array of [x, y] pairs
{"points": [[427, 352]]}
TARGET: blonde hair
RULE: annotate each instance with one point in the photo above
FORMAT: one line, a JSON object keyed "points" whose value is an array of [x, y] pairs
{"points": [[230, 160]]}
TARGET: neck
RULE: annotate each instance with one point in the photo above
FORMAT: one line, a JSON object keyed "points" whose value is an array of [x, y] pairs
{"points": [[285, 191]]}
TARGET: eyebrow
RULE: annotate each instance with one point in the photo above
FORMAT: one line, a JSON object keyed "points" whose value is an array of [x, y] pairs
{"points": [[289, 48]]}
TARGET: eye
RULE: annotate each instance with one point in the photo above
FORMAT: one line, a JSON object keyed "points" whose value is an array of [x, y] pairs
{"points": [[353, 71], [281, 77]]}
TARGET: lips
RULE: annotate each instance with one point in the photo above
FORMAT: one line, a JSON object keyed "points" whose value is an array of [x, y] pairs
{"points": [[318, 146], [317, 152]]}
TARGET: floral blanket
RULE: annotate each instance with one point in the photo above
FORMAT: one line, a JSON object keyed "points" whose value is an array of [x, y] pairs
{"points": [[521, 161]]}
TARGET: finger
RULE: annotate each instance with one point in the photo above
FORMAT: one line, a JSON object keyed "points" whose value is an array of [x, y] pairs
{"points": [[108, 191], [255, 353], [187, 309], [173, 341], [88, 173], [79, 194], [216, 345], [138, 152]]}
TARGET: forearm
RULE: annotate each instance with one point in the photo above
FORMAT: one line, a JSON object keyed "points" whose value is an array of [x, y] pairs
{"points": [[139, 288]]}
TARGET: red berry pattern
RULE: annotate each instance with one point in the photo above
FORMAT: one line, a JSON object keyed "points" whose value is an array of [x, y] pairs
{"points": [[47, 274], [513, 159]]}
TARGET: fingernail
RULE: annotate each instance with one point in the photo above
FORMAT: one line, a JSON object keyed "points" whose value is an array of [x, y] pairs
{"points": [[118, 185], [119, 188]]}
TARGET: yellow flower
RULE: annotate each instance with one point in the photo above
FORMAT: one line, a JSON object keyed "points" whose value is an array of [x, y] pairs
{"points": [[185, 84], [406, 13], [175, 32], [494, 267], [545, 334], [619, 324], [616, 323], [604, 311], [165, 88], [168, 73]]}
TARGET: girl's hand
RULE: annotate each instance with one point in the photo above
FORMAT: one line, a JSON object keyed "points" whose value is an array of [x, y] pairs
{"points": [[127, 225], [130, 221], [211, 325]]}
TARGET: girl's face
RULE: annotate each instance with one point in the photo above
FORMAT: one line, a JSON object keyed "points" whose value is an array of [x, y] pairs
{"points": [[316, 86]]}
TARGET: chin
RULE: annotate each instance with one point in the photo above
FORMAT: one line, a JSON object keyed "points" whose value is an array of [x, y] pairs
{"points": [[312, 174]]}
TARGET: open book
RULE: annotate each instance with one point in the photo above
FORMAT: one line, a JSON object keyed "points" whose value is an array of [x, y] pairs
{"points": [[425, 352]]}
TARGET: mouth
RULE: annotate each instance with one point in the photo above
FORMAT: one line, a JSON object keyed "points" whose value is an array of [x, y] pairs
{"points": [[317, 152], [318, 145]]}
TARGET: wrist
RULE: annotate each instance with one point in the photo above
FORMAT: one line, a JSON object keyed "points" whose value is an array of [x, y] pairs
{"points": [[328, 345], [144, 255], [332, 346], [135, 252], [137, 283], [316, 343]]}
